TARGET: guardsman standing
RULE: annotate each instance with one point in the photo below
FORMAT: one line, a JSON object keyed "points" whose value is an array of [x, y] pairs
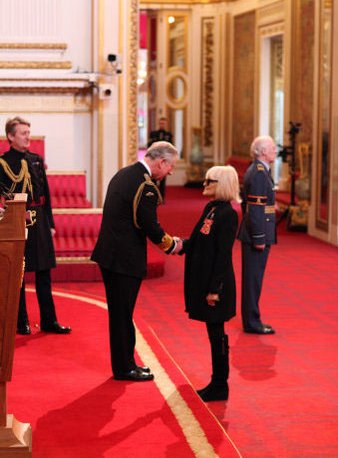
{"points": [[162, 134], [24, 172], [257, 231]]}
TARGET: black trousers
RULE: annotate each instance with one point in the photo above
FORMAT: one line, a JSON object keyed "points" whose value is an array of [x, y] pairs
{"points": [[121, 293], [43, 286], [253, 268]]}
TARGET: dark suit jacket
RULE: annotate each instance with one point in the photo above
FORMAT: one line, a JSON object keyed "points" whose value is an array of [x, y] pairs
{"points": [[258, 226], [160, 135], [129, 217], [208, 264]]}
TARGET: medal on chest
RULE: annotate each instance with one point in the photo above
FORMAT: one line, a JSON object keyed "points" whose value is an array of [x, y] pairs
{"points": [[208, 222]]}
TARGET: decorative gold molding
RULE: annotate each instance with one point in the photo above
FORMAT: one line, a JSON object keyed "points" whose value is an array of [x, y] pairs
{"points": [[58, 46], [73, 260], [133, 46], [47, 103], [179, 103], [207, 87], [66, 65], [77, 211], [271, 13], [45, 90], [183, 2], [65, 172], [272, 30]]}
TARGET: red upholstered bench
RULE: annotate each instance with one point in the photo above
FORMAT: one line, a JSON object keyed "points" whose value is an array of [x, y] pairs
{"points": [[76, 234], [68, 189], [76, 231]]}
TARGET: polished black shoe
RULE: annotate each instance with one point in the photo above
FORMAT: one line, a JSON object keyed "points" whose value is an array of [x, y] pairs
{"points": [[56, 328], [143, 369], [24, 330], [214, 392], [135, 375], [263, 329]]}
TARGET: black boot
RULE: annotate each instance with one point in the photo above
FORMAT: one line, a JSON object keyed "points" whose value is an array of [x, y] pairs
{"points": [[218, 389], [214, 392]]}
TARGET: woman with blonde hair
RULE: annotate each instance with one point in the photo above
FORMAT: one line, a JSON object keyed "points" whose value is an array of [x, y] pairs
{"points": [[209, 279]]}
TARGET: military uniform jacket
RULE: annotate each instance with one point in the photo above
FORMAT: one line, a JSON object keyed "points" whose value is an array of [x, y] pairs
{"points": [[129, 217], [39, 249], [208, 264], [258, 226]]}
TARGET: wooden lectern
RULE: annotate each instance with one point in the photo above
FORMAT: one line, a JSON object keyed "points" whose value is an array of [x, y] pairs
{"points": [[15, 437]]}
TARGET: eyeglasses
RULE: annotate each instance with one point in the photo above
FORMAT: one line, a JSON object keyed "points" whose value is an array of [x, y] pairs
{"points": [[207, 181]]}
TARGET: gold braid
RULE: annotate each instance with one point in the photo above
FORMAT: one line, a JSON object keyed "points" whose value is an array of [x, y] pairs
{"points": [[23, 176]]}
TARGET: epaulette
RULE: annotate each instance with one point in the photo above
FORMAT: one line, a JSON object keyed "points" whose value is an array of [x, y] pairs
{"points": [[260, 167], [149, 182]]}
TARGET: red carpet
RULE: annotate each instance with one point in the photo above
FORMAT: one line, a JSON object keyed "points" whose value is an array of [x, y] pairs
{"points": [[62, 386], [283, 388]]}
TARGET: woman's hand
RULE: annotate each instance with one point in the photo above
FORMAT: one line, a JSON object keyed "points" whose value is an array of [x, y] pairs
{"points": [[212, 299]]}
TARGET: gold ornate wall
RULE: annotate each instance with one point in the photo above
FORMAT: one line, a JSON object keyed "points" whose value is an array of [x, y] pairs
{"points": [[306, 60], [243, 83]]}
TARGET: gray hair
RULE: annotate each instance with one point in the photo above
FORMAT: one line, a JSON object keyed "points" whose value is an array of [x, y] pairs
{"points": [[259, 145], [162, 150]]}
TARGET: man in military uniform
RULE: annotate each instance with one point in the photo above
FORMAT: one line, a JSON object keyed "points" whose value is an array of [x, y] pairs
{"points": [[129, 217], [257, 231], [24, 172], [162, 134]]}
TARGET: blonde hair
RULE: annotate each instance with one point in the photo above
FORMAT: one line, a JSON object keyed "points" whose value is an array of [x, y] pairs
{"points": [[12, 124], [227, 182]]}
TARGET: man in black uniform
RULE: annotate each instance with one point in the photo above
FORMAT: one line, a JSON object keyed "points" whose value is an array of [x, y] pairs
{"points": [[129, 217], [24, 172], [257, 231], [162, 134]]}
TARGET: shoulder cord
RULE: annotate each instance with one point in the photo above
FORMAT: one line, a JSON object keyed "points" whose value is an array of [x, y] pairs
{"points": [[23, 175], [137, 198]]}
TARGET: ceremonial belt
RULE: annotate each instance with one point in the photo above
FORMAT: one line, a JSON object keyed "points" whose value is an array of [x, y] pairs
{"points": [[269, 209], [256, 200], [39, 203]]}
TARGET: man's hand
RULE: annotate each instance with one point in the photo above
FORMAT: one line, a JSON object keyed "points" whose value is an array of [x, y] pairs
{"points": [[52, 231], [179, 245]]}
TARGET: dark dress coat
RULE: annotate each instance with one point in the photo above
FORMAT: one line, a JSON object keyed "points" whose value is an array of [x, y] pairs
{"points": [[160, 135], [39, 250], [208, 264], [258, 226], [129, 217]]}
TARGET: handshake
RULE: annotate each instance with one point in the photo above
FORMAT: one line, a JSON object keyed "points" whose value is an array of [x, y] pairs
{"points": [[178, 245]]}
